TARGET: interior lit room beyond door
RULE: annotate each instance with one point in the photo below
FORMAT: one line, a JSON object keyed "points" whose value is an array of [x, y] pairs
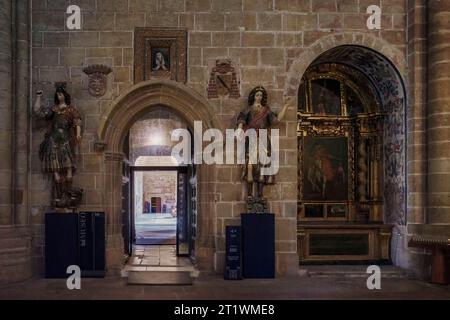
{"points": [[155, 207]]}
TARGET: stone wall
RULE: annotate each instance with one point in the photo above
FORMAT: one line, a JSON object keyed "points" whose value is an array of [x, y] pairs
{"points": [[266, 40]]}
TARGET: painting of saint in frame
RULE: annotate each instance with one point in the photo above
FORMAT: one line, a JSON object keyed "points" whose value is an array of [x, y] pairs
{"points": [[325, 168], [326, 97], [160, 59]]}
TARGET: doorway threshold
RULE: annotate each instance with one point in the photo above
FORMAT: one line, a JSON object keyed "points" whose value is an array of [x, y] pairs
{"points": [[159, 265]]}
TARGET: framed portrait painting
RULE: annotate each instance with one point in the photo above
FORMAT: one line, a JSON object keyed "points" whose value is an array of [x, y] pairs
{"points": [[160, 53]]}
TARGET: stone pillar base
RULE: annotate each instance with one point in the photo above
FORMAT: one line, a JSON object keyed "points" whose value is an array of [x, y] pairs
{"points": [[15, 254], [114, 254], [287, 263], [205, 258]]}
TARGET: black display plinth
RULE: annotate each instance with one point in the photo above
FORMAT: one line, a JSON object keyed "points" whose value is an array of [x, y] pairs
{"points": [[91, 235], [258, 245], [75, 239], [61, 243], [233, 269]]}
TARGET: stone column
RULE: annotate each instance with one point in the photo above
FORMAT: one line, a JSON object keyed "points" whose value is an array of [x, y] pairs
{"points": [[417, 148], [113, 211], [6, 107], [416, 114], [21, 115], [438, 113], [15, 236], [205, 247]]}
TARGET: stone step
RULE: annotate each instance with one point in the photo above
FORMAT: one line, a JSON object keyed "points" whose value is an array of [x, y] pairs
{"points": [[160, 275], [354, 271]]}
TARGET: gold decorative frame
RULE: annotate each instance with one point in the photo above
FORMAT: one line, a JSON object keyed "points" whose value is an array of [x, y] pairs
{"points": [[365, 139], [326, 128]]}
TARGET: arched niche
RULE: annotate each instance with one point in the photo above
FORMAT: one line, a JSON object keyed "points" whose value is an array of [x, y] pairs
{"points": [[376, 148]]}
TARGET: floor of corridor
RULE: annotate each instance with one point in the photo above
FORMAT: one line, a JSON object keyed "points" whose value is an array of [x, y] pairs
{"points": [[154, 229], [315, 284]]}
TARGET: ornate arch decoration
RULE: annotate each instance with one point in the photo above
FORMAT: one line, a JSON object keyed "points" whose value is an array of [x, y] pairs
{"points": [[114, 125], [139, 99], [367, 41], [384, 67]]}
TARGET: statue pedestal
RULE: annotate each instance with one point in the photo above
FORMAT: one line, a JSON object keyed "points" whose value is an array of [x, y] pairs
{"points": [[75, 239], [258, 245], [61, 244]]}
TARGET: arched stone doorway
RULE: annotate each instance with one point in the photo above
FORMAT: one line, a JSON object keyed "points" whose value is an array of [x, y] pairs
{"points": [[384, 69], [115, 123]]}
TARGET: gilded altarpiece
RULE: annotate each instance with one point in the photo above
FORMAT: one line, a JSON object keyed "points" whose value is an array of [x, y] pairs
{"points": [[340, 168]]}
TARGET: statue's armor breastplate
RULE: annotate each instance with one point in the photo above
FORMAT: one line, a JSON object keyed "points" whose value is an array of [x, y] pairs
{"points": [[61, 126]]}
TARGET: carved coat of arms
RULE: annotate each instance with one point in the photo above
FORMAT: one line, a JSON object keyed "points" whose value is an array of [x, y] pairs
{"points": [[223, 80], [97, 79]]}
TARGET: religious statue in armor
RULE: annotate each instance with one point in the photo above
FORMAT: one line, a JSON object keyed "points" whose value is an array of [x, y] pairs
{"points": [[257, 115], [57, 151]]}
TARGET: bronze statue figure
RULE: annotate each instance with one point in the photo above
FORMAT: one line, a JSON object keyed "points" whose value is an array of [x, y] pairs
{"points": [[57, 151]]}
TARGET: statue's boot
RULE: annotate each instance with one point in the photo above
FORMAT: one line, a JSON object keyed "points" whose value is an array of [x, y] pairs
{"points": [[260, 190], [250, 189], [68, 185], [59, 190]]}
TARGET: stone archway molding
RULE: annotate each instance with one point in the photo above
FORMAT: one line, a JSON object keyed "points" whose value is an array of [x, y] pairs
{"points": [[393, 104], [114, 124], [381, 46], [140, 98]]}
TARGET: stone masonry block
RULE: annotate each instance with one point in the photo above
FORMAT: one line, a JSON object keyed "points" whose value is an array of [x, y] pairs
{"points": [[236, 21], [258, 5], [84, 39], [171, 6], [293, 5], [258, 39], [93, 21], [269, 21], [56, 39], [72, 56], [112, 5], [139, 6], [209, 22], [116, 39], [198, 5], [128, 22], [226, 39], [272, 57], [299, 22], [244, 56]]}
